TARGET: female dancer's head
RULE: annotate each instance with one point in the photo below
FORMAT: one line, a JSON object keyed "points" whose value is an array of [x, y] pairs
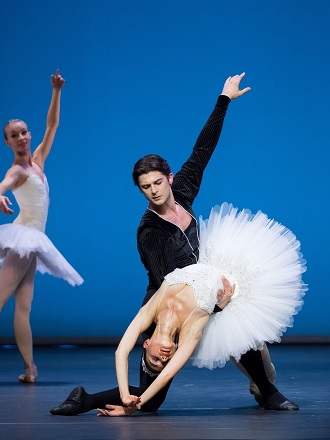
{"points": [[17, 136], [156, 354]]}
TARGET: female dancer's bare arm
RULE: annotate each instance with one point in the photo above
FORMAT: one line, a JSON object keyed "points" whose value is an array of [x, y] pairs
{"points": [[53, 117], [182, 355], [140, 323], [10, 181]]}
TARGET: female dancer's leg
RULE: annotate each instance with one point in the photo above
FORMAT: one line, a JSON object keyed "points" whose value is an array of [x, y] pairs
{"points": [[23, 334], [17, 276]]}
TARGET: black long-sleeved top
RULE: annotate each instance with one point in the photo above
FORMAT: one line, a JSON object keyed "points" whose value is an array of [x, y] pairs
{"points": [[162, 245]]}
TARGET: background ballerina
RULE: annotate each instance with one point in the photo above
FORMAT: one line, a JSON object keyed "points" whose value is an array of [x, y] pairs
{"points": [[24, 247]]}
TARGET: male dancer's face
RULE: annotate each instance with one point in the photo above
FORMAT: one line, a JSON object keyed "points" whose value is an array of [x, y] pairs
{"points": [[156, 187]]}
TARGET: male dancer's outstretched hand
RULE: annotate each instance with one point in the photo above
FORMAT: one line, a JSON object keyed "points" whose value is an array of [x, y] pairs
{"points": [[231, 87]]}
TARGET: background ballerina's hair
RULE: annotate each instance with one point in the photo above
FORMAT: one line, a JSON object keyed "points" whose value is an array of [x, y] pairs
{"points": [[148, 163], [8, 123]]}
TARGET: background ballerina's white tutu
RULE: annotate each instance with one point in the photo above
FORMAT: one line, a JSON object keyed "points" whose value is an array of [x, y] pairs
{"points": [[263, 258], [26, 234], [24, 240]]}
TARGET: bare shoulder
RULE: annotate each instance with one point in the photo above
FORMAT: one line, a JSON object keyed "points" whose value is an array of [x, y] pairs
{"points": [[36, 165], [37, 160], [154, 301], [18, 173], [194, 330], [15, 176]]}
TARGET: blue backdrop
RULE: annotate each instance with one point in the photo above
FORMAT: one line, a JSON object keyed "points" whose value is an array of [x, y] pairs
{"points": [[142, 77]]}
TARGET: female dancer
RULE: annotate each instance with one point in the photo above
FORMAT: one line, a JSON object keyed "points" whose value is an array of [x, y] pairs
{"points": [[257, 265], [24, 247]]}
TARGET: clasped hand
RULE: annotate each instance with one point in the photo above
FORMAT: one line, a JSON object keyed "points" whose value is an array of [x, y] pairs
{"points": [[130, 405]]}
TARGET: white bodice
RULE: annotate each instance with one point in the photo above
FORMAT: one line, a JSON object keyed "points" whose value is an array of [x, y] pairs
{"points": [[33, 200], [205, 281]]}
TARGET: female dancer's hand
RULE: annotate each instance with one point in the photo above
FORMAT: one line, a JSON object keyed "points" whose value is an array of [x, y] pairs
{"points": [[224, 295], [116, 411], [57, 80], [231, 87], [4, 202], [130, 400]]}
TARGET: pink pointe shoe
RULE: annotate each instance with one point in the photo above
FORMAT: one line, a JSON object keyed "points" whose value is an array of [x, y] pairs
{"points": [[31, 373]]}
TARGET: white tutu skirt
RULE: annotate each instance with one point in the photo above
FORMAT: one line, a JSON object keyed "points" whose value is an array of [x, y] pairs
{"points": [[24, 240], [264, 257]]}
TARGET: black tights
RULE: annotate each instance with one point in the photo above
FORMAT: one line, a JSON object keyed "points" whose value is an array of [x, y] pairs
{"points": [[99, 400], [252, 362]]}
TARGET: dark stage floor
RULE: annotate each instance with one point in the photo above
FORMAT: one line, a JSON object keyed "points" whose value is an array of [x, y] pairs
{"points": [[201, 404]]}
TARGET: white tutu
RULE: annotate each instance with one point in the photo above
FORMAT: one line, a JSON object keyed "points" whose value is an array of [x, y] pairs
{"points": [[25, 240], [264, 257]]}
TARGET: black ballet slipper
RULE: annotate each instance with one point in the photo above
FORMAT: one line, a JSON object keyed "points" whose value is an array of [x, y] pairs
{"points": [[278, 402], [72, 404]]}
